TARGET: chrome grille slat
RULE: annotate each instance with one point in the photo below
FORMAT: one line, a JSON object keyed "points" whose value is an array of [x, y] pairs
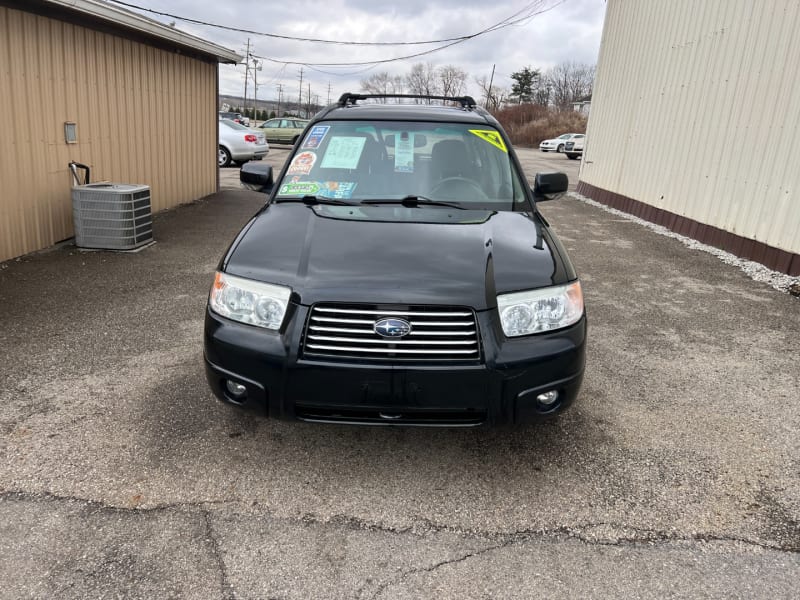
{"points": [[394, 313], [382, 351], [415, 332], [393, 341], [351, 321], [438, 334]]}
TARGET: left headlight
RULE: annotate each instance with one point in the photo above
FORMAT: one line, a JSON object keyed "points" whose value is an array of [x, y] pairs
{"points": [[248, 301], [535, 311]]}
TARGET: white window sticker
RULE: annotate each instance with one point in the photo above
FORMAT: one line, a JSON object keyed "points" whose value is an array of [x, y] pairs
{"points": [[404, 152], [343, 152]]}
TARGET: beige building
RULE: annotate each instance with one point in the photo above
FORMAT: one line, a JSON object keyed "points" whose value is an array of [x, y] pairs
{"points": [[695, 122], [141, 99]]}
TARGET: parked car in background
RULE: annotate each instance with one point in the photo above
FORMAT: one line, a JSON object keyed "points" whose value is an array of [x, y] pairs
{"points": [[283, 130], [574, 148], [239, 144], [558, 144], [233, 116]]}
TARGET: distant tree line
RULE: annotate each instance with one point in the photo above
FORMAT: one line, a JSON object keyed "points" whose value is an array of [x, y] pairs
{"points": [[557, 87], [262, 114], [424, 79]]}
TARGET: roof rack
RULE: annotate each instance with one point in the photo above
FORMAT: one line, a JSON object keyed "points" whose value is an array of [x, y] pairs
{"points": [[464, 101]]}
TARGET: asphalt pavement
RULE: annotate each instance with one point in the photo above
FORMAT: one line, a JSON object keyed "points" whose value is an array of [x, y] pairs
{"points": [[676, 473]]}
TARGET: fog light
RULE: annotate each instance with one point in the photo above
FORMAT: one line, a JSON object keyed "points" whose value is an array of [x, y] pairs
{"points": [[237, 390], [548, 398]]}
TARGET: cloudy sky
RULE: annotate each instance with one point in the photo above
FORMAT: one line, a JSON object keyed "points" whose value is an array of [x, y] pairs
{"points": [[550, 32]]}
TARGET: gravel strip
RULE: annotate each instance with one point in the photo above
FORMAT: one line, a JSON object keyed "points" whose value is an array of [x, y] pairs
{"points": [[756, 271]]}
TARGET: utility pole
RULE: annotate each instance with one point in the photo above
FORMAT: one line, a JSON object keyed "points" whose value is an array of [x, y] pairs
{"points": [[280, 97], [246, 72], [300, 97], [489, 93], [329, 93], [308, 102], [256, 69]]}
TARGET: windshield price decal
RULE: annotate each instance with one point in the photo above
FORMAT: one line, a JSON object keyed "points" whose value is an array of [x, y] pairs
{"points": [[343, 152], [316, 136], [491, 136], [323, 189], [404, 153], [302, 163]]}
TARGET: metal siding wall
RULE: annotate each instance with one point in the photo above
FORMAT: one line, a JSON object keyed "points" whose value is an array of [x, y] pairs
{"points": [[696, 111], [143, 116]]}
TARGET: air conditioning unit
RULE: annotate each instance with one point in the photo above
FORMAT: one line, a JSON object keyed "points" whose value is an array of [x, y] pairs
{"points": [[112, 216]]}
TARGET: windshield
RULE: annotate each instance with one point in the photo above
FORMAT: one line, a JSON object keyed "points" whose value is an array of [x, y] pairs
{"points": [[369, 162]]}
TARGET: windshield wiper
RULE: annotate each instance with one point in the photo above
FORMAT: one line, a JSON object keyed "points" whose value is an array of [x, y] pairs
{"points": [[312, 200], [414, 202]]}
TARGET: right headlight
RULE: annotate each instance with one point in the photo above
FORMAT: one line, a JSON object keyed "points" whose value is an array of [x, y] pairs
{"points": [[248, 301], [535, 311]]}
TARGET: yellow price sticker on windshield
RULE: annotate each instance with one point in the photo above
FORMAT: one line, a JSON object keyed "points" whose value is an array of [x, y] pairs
{"points": [[491, 136]]}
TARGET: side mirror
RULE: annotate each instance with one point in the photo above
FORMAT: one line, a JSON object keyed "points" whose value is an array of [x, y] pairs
{"points": [[257, 176], [549, 186]]}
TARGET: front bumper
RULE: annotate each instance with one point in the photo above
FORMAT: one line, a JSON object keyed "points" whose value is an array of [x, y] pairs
{"points": [[501, 389]]}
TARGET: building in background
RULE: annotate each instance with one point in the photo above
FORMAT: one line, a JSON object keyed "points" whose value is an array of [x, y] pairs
{"points": [[583, 105], [695, 122], [137, 98]]}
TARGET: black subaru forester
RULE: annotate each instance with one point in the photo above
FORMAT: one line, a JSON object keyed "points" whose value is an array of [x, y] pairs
{"points": [[399, 273]]}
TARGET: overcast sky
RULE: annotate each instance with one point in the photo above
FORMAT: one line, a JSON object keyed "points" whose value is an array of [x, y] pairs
{"points": [[569, 30]]}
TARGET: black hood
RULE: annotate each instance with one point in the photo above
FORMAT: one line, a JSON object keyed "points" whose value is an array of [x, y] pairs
{"points": [[395, 254]]}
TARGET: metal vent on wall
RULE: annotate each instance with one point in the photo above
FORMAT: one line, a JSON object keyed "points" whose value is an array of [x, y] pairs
{"points": [[112, 216]]}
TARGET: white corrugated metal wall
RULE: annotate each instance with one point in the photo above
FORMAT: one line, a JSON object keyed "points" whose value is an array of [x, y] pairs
{"points": [[696, 109], [143, 115]]}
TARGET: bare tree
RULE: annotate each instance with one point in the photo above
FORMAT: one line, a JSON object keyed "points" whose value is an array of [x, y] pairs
{"points": [[422, 80], [378, 83], [398, 84], [495, 97], [452, 80], [570, 82]]}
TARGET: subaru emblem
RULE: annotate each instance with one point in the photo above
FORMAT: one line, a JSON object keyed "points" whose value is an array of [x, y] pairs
{"points": [[392, 327]]}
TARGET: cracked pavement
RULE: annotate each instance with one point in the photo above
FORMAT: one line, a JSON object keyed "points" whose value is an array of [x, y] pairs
{"points": [[676, 474]]}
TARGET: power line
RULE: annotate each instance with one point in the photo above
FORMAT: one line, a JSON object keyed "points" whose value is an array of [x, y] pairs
{"points": [[501, 24]]}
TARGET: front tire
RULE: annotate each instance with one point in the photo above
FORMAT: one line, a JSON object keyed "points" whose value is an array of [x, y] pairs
{"points": [[572, 156], [560, 148], [224, 157]]}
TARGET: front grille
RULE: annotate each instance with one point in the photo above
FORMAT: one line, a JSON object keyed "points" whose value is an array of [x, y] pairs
{"points": [[448, 418], [439, 334]]}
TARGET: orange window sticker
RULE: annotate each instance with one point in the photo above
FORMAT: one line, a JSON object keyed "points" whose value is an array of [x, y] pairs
{"points": [[491, 136], [302, 163]]}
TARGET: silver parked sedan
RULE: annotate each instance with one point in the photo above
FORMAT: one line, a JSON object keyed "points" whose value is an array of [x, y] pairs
{"points": [[239, 144]]}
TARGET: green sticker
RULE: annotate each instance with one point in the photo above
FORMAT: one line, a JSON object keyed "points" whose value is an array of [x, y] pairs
{"points": [[491, 136], [299, 188]]}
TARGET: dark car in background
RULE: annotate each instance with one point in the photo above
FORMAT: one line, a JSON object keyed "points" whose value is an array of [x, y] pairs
{"points": [[235, 117], [400, 272]]}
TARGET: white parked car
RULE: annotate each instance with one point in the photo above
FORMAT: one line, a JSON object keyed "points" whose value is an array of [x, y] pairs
{"points": [[574, 148], [239, 144], [558, 144]]}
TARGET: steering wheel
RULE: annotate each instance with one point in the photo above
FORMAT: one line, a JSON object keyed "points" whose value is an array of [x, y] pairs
{"points": [[454, 188]]}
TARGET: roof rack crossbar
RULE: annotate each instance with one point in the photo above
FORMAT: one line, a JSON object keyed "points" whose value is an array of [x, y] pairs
{"points": [[349, 98]]}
